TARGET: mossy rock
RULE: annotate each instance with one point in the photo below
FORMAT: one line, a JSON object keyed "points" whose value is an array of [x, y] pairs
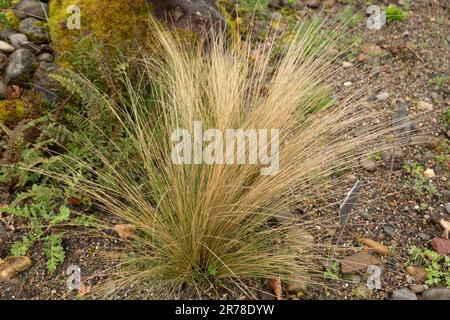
{"points": [[121, 23], [12, 111], [12, 19], [112, 22]]}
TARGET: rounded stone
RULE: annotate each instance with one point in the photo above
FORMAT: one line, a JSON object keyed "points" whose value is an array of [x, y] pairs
{"points": [[46, 57], [35, 30], [20, 66], [18, 40], [6, 47], [31, 8]]}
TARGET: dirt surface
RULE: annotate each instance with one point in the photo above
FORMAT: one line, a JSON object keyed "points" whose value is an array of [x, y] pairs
{"points": [[414, 66]]}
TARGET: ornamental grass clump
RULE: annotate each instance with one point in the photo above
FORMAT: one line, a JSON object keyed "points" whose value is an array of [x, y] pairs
{"points": [[221, 223]]}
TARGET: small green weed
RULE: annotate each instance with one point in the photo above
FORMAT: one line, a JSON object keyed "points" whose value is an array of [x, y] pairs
{"points": [[332, 270], [394, 13], [437, 265], [41, 215], [418, 182], [253, 5]]}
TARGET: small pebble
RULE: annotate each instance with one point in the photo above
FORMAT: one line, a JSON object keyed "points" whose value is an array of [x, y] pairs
{"points": [[46, 57], [347, 64], [424, 106], [365, 214], [429, 173], [409, 279], [424, 236], [368, 164], [389, 231], [382, 96], [417, 288]]}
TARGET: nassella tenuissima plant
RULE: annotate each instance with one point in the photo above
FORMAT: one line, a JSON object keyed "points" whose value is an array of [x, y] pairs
{"points": [[205, 223]]}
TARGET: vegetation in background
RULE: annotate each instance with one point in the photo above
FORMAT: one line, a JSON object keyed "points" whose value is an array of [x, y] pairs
{"points": [[5, 4], [4, 14], [348, 18], [253, 5]]}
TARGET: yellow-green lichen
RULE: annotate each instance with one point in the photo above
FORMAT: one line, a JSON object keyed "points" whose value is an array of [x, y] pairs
{"points": [[12, 111], [111, 21], [12, 19]]}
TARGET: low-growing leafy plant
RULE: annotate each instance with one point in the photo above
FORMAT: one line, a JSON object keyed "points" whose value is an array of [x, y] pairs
{"points": [[438, 82], [54, 251], [437, 265], [332, 270], [394, 13], [43, 217], [418, 182], [413, 168], [376, 156]]}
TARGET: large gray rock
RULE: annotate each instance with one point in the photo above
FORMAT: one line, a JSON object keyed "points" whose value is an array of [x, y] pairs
{"points": [[17, 40], [31, 8], [35, 30], [43, 86], [403, 294], [195, 16], [436, 294], [20, 66]]}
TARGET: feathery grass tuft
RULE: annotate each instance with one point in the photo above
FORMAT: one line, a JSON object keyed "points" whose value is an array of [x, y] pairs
{"points": [[200, 224]]}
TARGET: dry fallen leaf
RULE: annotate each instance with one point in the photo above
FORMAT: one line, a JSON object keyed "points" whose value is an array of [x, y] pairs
{"points": [[376, 246], [10, 266], [73, 201], [277, 289], [83, 290], [124, 230]]}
